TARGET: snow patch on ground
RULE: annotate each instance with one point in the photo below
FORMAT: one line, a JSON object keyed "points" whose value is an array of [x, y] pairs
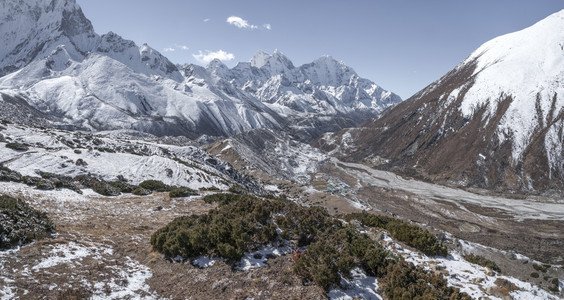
{"points": [[257, 259], [204, 261], [6, 291], [131, 281], [68, 253], [469, 278], [359, 286]]}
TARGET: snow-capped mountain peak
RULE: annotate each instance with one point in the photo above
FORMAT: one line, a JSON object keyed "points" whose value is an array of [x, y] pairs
{"points": [[497, 118], [61, 67], [526, 66], [328, 71], [259, 59], [275, 63], [32, 28]]}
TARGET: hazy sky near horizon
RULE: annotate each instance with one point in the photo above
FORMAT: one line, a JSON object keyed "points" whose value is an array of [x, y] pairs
{"points": [[400, 45]]}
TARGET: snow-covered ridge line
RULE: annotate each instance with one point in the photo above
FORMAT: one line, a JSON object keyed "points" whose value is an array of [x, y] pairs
{"points": [[54, 60], [528, 67]]}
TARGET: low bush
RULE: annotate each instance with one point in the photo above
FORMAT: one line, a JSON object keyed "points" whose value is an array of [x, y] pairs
{"points": [[237, 189], [211, 188], [45, 185], [541, 268], [241, 223], [17, 146], [8, 175], [182, 192], [31, 180], [482, 261], [323, 261], [105, 189], [225, 232], [412, 235], [123, 186], [554, 285], [155, 186], [21, 224], [404, 280], [221, 199], [139, 191]]}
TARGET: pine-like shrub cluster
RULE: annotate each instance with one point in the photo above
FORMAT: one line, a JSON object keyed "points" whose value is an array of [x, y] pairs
{"points": [[482, 261], [413, 235], [242, 223], [20, 224]]}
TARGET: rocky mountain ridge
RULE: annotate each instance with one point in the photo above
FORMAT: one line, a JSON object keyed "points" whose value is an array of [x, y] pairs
{"points": [[495, 121], [57, 63]]}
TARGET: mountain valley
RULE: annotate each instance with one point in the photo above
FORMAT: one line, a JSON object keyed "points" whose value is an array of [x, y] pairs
{"points": [[274, 181]]}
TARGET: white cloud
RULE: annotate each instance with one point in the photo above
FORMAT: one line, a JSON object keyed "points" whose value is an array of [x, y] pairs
{"points": [[209, 56], [182, 47], [267, 26], [207, 20], [168, 49], [240, 22]]}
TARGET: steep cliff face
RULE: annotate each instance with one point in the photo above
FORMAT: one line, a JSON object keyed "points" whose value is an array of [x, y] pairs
{"points": [[495, 121], [33, 28]]}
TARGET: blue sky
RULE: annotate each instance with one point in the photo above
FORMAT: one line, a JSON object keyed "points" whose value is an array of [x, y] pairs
{"points": [[400, 45]]}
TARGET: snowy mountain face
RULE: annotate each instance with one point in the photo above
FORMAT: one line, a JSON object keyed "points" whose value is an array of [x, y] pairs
{"points": [[52, 58], [497, 118], [325, 90], [111, 155]]}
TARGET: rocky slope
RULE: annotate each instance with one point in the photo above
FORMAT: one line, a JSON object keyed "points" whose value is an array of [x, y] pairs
{"points": [[127, 156], [53, 60], [272, 152], [495, 121]]}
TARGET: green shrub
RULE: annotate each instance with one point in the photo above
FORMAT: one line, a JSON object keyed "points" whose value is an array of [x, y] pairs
{"points": [[482, 261], [237, 189], [155, 185], [182, 192], [105, 149], [535, 275], [139, 191], [554, 283], [211, 188], [405, 281], [221, 199], [7, 174], [324, 260], [410, 234], [44, 185], [123, 186], [541, 268], [21, 224], [31, 180], [319, 264], [104, 188], [17, 146], [332, 250], [239, 222]]}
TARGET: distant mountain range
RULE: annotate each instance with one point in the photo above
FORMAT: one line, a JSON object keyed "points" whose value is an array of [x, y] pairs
{"points": [[495, 121], [66, 74]]}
